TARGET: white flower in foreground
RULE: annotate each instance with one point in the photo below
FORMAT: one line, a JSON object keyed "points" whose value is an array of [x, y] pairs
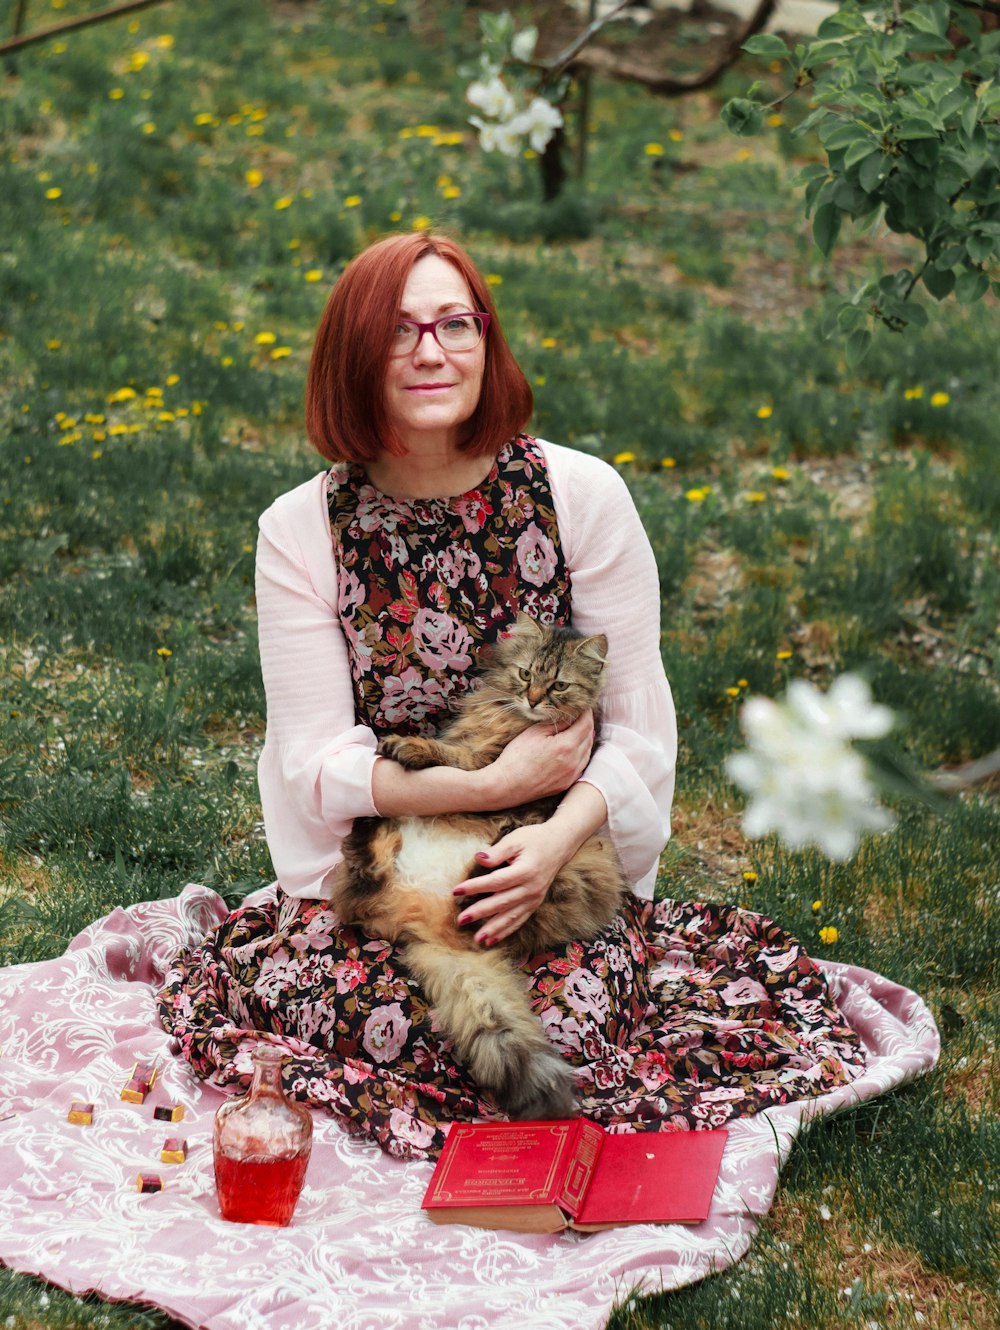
{"points": [[802, 778], [493, 98]]}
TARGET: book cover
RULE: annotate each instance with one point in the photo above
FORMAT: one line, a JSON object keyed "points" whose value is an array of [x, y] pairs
{"points": [[540, 1177]]}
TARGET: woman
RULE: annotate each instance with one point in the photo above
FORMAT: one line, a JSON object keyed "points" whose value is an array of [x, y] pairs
{"points": [[438, 521]]}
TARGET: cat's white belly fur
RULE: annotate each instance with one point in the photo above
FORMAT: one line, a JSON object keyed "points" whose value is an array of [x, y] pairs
{"points": [[433, 857]]}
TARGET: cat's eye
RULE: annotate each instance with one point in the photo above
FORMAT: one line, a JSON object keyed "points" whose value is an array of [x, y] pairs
{"points": [[560, 686], [524, 676]]}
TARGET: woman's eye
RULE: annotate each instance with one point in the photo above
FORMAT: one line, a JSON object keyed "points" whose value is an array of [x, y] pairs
{"points": [[401, 330], [455, 324]]}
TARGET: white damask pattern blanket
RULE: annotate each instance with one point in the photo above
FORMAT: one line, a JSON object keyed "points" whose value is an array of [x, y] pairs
{"points": [[359, 1254]]}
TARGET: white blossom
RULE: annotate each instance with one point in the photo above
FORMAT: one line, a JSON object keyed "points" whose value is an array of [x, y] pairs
{"points": [[801, 775], [493, 98], [497, 138], [540, 121]]}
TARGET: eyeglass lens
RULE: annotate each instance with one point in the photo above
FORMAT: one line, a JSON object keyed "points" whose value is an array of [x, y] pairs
{"points": [[455, 332]]}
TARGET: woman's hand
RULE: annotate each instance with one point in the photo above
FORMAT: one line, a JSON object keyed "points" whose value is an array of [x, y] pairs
{"points": [[539, 762], [524, 864]]}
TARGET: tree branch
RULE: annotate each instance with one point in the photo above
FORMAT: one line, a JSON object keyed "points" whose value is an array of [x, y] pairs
{"points": [[613, 66], [84, 21], [566, 58]]}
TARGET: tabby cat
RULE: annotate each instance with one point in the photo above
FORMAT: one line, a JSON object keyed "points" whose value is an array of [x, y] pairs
{"points": [[397, 875]]}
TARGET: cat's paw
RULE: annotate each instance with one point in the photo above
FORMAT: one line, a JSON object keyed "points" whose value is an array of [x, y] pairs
{"points": [[410, 752]]}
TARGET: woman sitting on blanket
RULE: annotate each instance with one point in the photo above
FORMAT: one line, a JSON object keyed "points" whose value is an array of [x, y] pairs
{"points": [[438, 521]]}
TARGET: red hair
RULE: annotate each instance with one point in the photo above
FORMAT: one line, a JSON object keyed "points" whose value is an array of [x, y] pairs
{"points": [[345, 410]]}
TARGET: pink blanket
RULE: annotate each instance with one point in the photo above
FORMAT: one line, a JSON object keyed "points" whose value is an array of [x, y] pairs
{"points": [[359, 1252]]}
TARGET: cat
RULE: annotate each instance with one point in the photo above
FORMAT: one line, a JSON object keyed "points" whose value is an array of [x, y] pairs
{"points": [[397, 873]]}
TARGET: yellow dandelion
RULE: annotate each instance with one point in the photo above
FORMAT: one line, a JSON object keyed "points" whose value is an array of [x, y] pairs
{"points": [[196, 408], [117, 430], [258, 113], [451, 192], [253, 177], [775, 120], [406, 133], [238, 325], [154, 392], [165, 416], [248, 549], [549, 343], [668, 462], [780, 473], [314, 275], [914, 394], [137, 61], [696, 495], [172, 379], [70, 438], [294, 244], [234, 119], [755, 496], [352, 201], [620, 458], [829, 935], [744, 155], [676, 135], [58, 48], [265, 338], [280, 352], [732, 692], [226, 361], [44, 175], [395, 216], [749, 875], [743, 683], [421, 223], [96, 453], [164, 41], [149, 127], [205, 118], [540, 380], [783, 655], [765, 412], [122, 395], [93, 419], [54, 193], [285, 201], [426, 131], [940, 399], [653, 149], [68, 422], [443, 181], [529, 154], [164, 652], [53, 344], [817, 906], [494, 279], [254, 131], [180, 412], [307, 193], [116, 94]]}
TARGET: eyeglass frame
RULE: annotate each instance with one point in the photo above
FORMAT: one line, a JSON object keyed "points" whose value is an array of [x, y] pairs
{"points": [[432, 328]]}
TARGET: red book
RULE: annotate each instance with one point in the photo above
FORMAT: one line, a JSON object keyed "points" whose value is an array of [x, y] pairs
{"points": [[540, 1177]]}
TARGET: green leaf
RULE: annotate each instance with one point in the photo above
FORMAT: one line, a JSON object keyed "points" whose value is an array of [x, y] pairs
{"points": [[970, 286], [766, 44], [969, 118], [826, 227], [834, 135], [850, 318], [926, 43], [873, 170], [858, 151], [939, 283], [857, 347], [915, 127], [980, 247], [743, 117]]}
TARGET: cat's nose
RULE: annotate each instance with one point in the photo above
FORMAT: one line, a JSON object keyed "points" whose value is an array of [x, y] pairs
{"points": [[535, 695]]}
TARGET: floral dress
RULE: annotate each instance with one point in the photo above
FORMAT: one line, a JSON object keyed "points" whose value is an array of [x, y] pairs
{"points": [[680, 1015]]}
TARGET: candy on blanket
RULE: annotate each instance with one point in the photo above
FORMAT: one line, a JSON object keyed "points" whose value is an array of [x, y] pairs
{"points": [[148, 1182], [169, 1112], [80, 1112], [174, 1150], [141, 1080]]}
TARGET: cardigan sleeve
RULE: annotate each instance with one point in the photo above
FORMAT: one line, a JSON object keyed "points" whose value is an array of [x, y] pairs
{"points": [[315, 770], [615, 590]]}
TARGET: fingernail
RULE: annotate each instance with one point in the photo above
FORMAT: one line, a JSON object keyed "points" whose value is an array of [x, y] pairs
{"points": [[482, 857], [457, 891]]}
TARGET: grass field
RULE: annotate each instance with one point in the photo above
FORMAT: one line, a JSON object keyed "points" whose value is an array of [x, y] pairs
{"points": [[177, 193]]}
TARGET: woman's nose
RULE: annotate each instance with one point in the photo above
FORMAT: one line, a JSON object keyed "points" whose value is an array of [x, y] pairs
{"points": [[427, 350]]}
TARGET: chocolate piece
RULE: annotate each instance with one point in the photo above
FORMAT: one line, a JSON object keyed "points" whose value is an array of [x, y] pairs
{"points": [[174, 1150], [148, 1182], [82, 1113], [169, 1112], [135, 1091]]}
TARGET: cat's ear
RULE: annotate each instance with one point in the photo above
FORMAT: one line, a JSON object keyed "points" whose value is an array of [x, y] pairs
{"points": [[526, 625], [594, 649]]}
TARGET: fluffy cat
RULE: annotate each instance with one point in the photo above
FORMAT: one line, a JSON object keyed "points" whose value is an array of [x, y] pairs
{"points": [[397, 875]]}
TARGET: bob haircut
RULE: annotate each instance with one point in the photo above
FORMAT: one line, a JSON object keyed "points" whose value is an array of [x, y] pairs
{"points": [[346, 418]]}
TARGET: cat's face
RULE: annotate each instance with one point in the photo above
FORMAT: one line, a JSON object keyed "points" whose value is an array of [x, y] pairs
{"points": [[547, 674]]}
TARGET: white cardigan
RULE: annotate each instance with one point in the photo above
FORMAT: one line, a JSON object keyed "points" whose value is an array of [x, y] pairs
{"points": [[315, 770]]}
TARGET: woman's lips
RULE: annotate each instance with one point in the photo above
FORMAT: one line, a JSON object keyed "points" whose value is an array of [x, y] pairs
{"points": [[429, 387]]}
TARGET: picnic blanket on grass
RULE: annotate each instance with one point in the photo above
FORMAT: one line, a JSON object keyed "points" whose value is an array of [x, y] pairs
{"points": [[359, 1254]]}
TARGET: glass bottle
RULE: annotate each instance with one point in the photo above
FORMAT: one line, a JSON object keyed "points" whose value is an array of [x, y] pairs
{"points": [[261, 1147]]}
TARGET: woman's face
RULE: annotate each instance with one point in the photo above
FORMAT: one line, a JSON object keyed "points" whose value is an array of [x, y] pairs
{"points": [[430, 393]]}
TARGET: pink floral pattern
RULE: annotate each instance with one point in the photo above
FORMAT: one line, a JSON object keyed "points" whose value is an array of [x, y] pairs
{"points": [[424, 583], [672, 1018]]}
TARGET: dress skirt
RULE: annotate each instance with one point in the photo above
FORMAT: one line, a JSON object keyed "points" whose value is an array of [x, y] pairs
{"points": [[679, 1016]]}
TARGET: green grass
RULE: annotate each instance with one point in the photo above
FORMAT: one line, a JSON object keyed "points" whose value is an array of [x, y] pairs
{"points": [[670, 309]]}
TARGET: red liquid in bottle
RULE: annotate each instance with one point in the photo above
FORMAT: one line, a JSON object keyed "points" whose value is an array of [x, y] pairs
{"points": [[259, 1191]]}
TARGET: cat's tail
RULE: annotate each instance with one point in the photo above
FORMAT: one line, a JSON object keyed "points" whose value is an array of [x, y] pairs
{"points": [[482, 1006]]}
